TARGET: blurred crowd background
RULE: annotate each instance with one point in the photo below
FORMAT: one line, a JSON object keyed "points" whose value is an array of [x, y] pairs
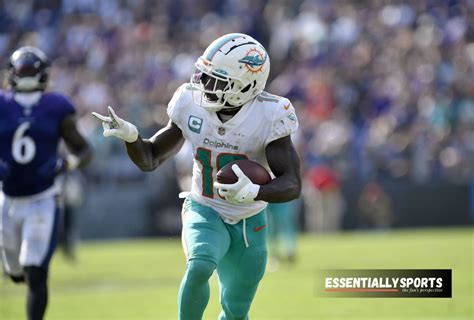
{"points": [[384, 90]]}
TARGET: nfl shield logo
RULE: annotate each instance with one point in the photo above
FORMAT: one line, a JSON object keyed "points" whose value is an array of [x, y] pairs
{"points": [[221, 131]]}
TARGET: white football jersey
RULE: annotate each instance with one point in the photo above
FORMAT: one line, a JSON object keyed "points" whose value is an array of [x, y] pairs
{"points": [[214, 144]]}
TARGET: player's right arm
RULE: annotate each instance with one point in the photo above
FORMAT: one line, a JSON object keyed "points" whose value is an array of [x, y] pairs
{"points": [[147, 154]]}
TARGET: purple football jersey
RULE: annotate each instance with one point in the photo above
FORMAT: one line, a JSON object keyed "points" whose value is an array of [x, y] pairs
{"points": [[29, 138]]}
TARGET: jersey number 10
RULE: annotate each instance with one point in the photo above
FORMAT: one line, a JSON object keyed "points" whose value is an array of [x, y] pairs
{"points": [[23, 147]]}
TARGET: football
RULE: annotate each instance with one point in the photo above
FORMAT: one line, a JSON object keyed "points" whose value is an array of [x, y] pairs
{"points": [[256, 172]]}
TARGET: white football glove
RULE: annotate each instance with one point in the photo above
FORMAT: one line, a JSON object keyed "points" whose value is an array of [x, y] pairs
{"points": [[244, 191], [117, 127]]}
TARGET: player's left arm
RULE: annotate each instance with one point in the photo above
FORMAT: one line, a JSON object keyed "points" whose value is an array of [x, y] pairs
{"points": [[81, 152], [285, 165]]}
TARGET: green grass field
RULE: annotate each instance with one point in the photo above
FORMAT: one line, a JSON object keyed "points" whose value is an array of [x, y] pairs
{"points": [[140, 279]]}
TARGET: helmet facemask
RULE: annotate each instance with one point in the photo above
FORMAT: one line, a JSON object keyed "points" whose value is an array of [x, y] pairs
{"points": [[215, 90], [27, 84]]}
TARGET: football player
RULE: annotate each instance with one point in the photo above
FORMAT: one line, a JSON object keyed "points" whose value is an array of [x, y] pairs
{"points": [[226, 116], [32, 123]]}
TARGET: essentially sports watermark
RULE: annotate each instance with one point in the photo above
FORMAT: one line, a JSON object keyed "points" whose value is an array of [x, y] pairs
{"points": [[384, 283]]}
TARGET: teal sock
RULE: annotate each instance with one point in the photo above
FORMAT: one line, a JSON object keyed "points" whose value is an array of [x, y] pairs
{"points": [[194, 291]]}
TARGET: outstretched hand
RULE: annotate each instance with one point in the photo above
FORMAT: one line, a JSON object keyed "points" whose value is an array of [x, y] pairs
{"points": [[115, 126]]}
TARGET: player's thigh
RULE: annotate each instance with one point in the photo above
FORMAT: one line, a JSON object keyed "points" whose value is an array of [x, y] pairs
{"points": [[239, 276], [10, 237], [204, 233], [40, 232], [242, 265], [9, 226]]}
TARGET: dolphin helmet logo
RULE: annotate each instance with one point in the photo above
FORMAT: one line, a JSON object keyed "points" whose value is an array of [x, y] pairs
{"points": [[254, 60]]}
